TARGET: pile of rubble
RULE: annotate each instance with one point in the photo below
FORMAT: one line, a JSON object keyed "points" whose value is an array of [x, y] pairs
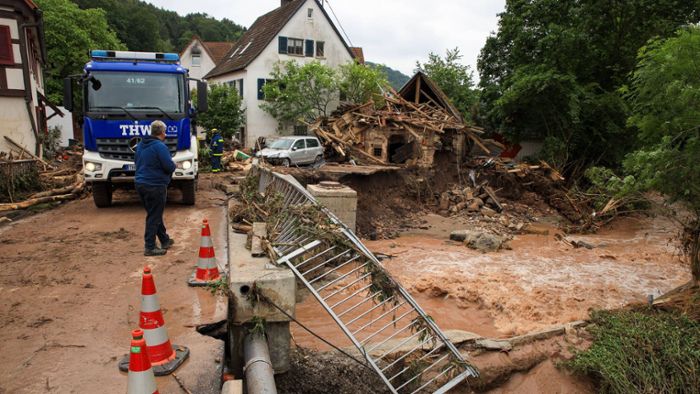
{"points": [[365, 132], [27, 180]]}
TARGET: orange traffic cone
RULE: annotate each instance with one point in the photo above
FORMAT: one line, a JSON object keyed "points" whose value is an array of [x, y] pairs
{"points": [[165, 357], [141, 378], [207, 270]]}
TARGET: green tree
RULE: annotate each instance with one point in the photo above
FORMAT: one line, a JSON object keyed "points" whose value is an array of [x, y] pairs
{"points": [[454, 78], [665, 102], [300, 92], [69, 34], [359, 83], [553, 70], [224, 113], [145, 27]]}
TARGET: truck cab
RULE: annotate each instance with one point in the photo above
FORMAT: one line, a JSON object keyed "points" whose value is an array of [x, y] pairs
{"points": [[122, 93]]}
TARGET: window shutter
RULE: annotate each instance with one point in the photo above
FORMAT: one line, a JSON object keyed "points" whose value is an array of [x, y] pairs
{"points": [[261, 94], [309, 48], [6, 55], [283, 44], [240, 89]]}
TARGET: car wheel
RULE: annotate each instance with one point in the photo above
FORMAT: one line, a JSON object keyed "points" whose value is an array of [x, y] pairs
{"points": [[287, 163], [318, 159]]}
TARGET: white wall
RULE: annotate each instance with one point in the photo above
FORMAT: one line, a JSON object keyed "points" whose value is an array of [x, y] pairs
{"points": [[14, 123], [65, 123], [258, 122], [207, 63]]}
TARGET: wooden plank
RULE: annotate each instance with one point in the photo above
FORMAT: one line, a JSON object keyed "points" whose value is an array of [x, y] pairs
{"points": [[478, 142], [26, 151], [418, 90], [493, 197]]}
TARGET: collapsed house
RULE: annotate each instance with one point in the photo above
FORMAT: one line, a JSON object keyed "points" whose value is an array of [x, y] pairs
{"points": [[408, 129]]}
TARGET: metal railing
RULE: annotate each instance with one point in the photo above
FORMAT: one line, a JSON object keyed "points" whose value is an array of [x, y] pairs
{"points": [[391, 331]]}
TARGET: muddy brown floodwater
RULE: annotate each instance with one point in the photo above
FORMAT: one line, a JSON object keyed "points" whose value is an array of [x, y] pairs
{"points": [[539, 283]]}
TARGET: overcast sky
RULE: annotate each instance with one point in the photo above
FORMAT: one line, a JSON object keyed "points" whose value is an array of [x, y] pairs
{"points": [[393, 32]]}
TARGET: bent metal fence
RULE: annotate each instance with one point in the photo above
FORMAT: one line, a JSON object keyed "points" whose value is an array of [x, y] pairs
{"points": [[386, 325]]}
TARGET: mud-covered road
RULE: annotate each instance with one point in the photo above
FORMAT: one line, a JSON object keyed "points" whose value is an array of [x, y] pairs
{"points": [[70, 292]]}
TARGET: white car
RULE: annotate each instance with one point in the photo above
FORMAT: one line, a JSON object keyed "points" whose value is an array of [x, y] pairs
{"points": [[289, 151]]}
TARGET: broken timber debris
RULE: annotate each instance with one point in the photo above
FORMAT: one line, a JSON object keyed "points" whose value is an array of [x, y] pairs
{"points": [[403, 130]]}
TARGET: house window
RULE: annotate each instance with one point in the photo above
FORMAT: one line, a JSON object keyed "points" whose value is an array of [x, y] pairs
{"points": [[377, 152], [309, 48], [320, 49], [261, 85], [295, 46], [240, 88], [300, 130], [196, 60], [310, 12], [6, 55]]}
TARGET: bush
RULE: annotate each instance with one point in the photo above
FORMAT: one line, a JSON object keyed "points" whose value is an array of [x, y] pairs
{"points": [[642, 352]]}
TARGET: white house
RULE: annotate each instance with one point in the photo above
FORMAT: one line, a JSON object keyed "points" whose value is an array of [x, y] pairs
{"points": [[22, 58], [299, 30], [200, 57]]}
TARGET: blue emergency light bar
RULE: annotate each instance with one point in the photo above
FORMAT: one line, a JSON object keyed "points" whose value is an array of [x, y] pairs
{"points": [[127, 55]]}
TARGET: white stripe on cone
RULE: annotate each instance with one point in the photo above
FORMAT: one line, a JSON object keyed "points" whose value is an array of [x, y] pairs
{"points": [[149, 303], [141, 383], [206, 242], [155, 336]]}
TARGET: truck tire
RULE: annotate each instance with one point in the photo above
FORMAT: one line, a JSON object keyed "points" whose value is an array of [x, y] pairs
{"points": [[102, 194], [188, 189]]}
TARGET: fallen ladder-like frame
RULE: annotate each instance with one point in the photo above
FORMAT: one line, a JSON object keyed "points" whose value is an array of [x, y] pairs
{"points": [[379, 316]]}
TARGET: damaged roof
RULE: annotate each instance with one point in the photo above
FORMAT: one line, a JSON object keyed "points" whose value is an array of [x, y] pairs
{"points": [[421, 89], [259, 36]]}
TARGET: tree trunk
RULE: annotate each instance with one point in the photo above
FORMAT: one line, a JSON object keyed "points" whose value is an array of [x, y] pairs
{"points": [[695, 256]]}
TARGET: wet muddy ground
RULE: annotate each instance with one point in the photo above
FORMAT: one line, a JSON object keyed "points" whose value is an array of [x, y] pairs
{"points": [[70, 290]]}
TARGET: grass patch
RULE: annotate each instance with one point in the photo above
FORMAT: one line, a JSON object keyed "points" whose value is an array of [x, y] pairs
{"points": [[642, 351]]}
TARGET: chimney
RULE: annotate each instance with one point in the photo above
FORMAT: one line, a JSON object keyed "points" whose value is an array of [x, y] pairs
{"points": [[285, 2]]}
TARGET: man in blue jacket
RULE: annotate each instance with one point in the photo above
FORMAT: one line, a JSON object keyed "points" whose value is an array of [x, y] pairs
{"points": [[217, 150], [154, 167]]}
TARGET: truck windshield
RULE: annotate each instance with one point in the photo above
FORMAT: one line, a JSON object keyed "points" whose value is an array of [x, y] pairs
{"points": [[136, 92]]}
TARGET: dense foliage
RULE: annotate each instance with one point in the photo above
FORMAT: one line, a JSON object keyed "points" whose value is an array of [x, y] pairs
{"points": [[145, 27], [224, 112], [359, 84], [298, 92], [395, 77], [301, 93], [454, 78], [636, 352], [70, 33], [553, 70], [665, 106]]}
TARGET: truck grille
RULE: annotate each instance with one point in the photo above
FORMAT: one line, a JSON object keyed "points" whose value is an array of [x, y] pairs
{"points": [[118, 148]]}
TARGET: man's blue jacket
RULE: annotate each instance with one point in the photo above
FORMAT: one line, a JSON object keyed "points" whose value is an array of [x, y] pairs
{"points": [[154, 166]]}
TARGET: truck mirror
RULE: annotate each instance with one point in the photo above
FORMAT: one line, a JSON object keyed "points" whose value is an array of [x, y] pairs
{"points": [[202, 104], [68, 94]]}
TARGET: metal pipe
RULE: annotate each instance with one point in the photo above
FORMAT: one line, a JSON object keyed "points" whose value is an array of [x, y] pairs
{"points": [[259, 376]]}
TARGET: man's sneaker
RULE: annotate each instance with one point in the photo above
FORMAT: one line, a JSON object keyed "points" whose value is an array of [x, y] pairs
{"points": [[154, 252], [168, 244]]}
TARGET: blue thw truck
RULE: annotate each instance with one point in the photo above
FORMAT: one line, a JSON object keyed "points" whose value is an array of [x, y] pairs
{"points": [[122, 93]]}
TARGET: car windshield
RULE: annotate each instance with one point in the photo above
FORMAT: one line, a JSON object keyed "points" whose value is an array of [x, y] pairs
{"points": [[281, 144], [136, 92]]}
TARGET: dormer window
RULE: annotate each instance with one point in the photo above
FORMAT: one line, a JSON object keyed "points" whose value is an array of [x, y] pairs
{"points": [[196, 56]]}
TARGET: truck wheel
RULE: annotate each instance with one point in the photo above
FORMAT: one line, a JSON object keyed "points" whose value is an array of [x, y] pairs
{"points": [[102, 194], [188, 192]]}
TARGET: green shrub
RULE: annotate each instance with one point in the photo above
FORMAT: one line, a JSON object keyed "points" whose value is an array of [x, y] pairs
{"points": [[642, 352]]}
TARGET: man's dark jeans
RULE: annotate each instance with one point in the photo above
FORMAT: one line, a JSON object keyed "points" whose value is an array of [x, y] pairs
{"points": [[153, 199]]}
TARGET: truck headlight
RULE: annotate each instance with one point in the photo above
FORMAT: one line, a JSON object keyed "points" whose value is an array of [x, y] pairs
{"points": [[185, 165], [91, 167]]}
